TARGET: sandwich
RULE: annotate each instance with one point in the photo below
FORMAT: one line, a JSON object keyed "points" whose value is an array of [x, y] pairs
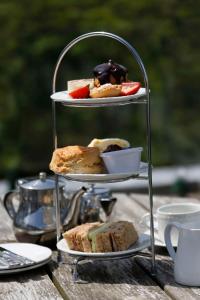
{"points": [[101, 237], [77, 237]]}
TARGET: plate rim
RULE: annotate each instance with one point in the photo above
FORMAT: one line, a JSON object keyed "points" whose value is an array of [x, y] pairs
{"points": [[36, 264], [107, 254], [107, 176], [23, 269], [141, 93]]}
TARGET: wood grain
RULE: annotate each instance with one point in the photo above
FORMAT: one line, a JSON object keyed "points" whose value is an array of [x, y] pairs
{"points": [[165, 278], [114, 280], [31, 285], [125, 279]]}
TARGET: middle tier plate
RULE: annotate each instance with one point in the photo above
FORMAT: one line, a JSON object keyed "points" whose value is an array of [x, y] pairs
{"points": [[114, 177]]}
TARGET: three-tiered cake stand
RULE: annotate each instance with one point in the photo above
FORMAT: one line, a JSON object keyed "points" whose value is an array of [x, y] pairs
{"points": [[142, 96]]}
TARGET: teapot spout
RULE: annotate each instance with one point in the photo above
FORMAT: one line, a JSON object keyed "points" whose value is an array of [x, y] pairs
{"points": [[72, 217]]}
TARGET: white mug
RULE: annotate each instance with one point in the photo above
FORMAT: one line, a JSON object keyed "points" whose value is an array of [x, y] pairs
{"points": [[175, 212], [187, 257]]}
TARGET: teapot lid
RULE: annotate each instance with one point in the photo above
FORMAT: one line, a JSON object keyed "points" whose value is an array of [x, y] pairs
{"points": [[98, 191], [103, 192], [42, 183]]}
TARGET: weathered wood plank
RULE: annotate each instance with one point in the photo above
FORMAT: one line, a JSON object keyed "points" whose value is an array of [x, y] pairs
{"points": [[165, 278], [128, 209], [32, 285], [114, 280]]}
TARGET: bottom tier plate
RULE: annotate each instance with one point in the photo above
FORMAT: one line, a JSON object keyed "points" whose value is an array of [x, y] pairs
{"points": [[142, 243]]}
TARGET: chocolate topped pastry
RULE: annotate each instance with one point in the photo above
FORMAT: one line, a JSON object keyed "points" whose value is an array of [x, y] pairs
{"points": [[109, 73]]}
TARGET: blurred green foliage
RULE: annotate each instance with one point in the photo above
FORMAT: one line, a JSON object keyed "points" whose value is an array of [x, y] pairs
{"points": [[33, 33]]}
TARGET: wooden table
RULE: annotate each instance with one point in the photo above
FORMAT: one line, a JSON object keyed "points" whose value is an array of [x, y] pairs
{"points": [[126, 279]]}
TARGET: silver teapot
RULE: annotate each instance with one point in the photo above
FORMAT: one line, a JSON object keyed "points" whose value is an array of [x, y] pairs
{"points": [[31, 207]]}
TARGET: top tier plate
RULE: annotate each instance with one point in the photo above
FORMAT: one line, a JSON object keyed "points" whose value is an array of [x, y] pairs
{"points": [[65, 99]]}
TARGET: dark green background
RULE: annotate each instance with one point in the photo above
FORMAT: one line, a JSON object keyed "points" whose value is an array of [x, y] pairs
{"points": [[33, 33]]}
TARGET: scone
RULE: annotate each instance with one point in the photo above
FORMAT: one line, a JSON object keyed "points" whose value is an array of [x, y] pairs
{"points": [[103, 144], [76, 160]]}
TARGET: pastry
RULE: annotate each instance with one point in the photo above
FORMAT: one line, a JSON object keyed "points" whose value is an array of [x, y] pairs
{"points": [[106, 90], [101, 237], [76, 160], [109, 73], [110, 144], [78, 83]]}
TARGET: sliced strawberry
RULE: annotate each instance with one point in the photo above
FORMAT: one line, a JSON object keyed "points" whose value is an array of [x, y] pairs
{"points": [[130, 88], [82, 92]]}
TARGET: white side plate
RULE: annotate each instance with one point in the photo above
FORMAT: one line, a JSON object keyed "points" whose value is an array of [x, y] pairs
{"points": [[142, 243], [39, 254]]}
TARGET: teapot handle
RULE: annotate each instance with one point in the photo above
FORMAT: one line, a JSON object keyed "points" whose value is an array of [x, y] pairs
{"points": [[8, 203], [168, 241]]}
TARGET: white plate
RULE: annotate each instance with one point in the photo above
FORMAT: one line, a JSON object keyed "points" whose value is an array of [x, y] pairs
{"points": [[142, 243], [39, 254], [106, 177], [64, 97]]}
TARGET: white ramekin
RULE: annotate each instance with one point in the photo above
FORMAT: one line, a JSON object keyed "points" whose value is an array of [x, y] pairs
{"points": [[123, 161]]}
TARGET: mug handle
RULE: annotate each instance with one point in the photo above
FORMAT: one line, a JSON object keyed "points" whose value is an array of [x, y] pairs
{"points": [[168, 241]]}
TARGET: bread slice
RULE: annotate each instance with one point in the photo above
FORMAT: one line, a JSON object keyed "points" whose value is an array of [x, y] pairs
{"points": [[77, 237], [70, 237], [123, 235], [83, 242], [100, 239]]}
